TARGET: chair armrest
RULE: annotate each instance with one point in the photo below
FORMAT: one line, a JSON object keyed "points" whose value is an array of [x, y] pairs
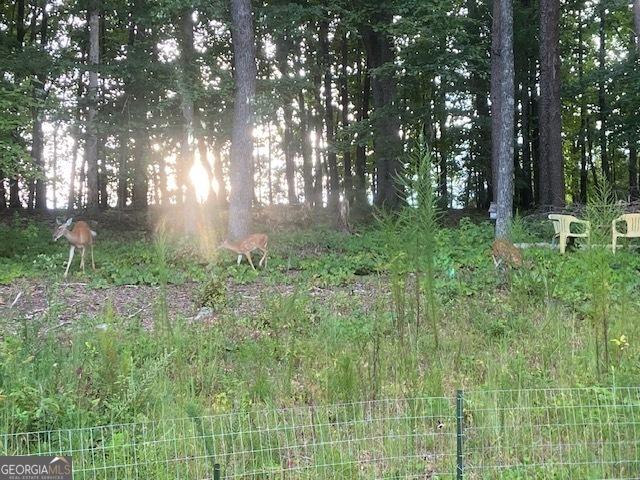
{"points": [[614, 228], [587, 223]]}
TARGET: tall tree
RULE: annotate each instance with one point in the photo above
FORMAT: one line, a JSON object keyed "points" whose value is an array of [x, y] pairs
{"points": [[360, 180], [241, 142], [503, 110], [329, 122], [139, 54], [602, 98], [551, 166], [91, 146], [344, 99], [307, 161], [387, 146], [283, 48]]}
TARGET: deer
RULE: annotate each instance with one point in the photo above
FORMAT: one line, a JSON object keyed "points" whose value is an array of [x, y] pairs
{"points": [[244, 247], [507, 252], [81, 236]]}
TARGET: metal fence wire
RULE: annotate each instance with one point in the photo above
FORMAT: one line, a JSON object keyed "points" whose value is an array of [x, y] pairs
{"points": [[511, 434]]}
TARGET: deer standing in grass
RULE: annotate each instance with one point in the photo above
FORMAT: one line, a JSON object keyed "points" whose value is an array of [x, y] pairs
{"points": [[81, 236], [257, 241]]}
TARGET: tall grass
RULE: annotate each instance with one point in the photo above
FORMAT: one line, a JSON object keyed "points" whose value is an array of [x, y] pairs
{"points": [[601, 210]]}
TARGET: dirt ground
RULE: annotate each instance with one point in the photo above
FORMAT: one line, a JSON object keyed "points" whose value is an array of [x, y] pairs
{"points": [[69, 302]]}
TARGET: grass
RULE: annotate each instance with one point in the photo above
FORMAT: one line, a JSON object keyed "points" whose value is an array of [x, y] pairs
{"points": [[533, 328]]}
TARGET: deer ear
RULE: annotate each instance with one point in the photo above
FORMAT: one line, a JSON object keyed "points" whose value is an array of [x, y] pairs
{"points": [[58, 222], [68, 222]]}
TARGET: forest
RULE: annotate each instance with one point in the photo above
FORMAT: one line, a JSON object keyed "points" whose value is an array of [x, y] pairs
{"points": [[320, 239]]}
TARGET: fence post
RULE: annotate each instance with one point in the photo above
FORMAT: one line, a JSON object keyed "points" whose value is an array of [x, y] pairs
{"points": [[459, 434], [216, 471]]}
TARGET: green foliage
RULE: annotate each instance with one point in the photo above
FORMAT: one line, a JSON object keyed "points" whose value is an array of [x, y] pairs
{"points": [[212, 294]]}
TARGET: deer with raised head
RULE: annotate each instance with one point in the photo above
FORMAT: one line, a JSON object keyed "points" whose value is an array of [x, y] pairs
{"points": [[81, 236], [244, 247]]}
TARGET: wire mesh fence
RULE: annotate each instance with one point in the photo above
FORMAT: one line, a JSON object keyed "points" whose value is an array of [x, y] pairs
{"points": [[408, 438], [591, 433], [511, 434]]}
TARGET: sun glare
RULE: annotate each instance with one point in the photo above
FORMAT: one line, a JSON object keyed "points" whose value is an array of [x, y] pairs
{"points": [[199, 179]]}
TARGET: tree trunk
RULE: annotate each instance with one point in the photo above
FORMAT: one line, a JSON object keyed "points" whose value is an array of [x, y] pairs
{"points": [[14, 185], [319, 154], [3, 192], [527, 193], [551, 162], [442, 146], [480, 89], [344, 97], [387, 146], [140, 190], [502, 88], [283, 48], [186, 87], [636, 22], [307, 160], [37, 150], [333, 197], [71, 199], [269, 173], [582, 141], [360, 183], [123, 174], [91, 147], [54, 167], [602, 99], [633, 170], [241, 142]]}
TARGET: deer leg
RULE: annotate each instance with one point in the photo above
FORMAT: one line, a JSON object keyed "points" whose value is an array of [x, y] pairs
{"points": [[248, 255], [239, 258], [82, 259], [263, 259], [71, 251], [93, 264]]}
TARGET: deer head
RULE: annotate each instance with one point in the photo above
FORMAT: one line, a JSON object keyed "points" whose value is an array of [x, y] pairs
{"points": [[60, 229]]}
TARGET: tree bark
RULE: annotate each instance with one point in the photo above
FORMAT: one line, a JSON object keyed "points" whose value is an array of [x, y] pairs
{"points": [[319, 153], [91, 146], [551, 162], [387, 146], [344, 97], [186, 86], [442, 146], [582, 141], [333, 197], [636, 22], [502, 88], [283, 48], [633, 170], [123, 174], [54, 167], [360, 181], [527, 193], [307, 161], [602, 99], [241, 142], [37, 152], [14, 185]]}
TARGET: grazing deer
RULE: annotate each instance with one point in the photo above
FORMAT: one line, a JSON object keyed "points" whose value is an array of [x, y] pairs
{"points": [[507, 252], [257, 241], [80, 237]]}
